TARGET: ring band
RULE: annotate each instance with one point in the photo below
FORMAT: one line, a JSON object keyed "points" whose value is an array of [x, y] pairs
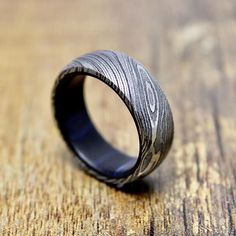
{"points": [[144, 99]]}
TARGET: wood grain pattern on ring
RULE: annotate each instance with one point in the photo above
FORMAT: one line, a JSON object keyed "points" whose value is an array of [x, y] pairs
{"points": [[142, 95]]}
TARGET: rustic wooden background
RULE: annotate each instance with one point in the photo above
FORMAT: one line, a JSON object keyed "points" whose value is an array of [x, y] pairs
{"points": [[190, 46]]}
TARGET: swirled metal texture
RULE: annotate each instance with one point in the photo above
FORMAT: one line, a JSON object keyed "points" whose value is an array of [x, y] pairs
{"points": [[143, 97]]}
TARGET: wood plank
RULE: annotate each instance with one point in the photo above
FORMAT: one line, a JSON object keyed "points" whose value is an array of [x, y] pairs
{"points": [[190, 47]]}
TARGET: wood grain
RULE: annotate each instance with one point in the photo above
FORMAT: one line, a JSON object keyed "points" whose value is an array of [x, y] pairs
{"points": [[190, 47]]}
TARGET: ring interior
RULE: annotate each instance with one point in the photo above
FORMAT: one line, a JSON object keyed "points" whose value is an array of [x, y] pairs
{"points": [[80, 133]]}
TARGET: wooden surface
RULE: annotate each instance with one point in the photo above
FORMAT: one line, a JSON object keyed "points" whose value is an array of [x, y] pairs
{"points": [[190, 47]]}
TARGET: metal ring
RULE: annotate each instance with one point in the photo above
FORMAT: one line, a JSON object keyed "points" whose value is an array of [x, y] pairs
{"points": [[143, 97]]}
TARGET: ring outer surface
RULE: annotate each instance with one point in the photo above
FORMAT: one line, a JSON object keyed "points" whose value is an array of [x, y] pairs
{"points": [[143, 97]]}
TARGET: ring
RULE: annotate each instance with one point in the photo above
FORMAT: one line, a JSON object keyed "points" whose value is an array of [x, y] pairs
{"points": [[144, 99]]}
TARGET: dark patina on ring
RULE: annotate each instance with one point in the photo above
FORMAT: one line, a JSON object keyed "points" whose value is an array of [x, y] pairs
{"points": [[143, 97]]}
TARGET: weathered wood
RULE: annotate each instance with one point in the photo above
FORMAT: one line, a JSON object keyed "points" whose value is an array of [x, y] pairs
{"points": [[190, 47]]}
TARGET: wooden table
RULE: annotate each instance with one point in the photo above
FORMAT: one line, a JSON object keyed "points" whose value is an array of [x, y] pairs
{"points": [[190, 47]]}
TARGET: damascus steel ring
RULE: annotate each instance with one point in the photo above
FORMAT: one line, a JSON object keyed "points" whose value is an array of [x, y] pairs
{"points": [[145, 101]]}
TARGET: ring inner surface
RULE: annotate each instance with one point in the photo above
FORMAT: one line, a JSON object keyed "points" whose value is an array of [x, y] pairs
{"points": [[80, 133]]}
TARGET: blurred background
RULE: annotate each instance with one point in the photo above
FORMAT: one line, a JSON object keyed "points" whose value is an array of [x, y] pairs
{"points": [[189, 46]]}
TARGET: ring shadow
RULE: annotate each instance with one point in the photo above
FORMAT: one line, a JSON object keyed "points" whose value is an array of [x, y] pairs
{"points": [[139, 187]]}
